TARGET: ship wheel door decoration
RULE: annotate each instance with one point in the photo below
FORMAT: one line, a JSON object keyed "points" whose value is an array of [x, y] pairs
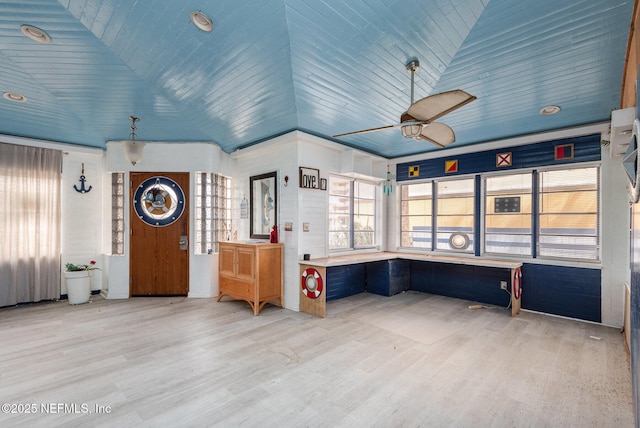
{"points": [[159, 201]]}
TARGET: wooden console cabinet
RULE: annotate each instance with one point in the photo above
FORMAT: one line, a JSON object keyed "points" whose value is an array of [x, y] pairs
{"points": [[252, 272]]}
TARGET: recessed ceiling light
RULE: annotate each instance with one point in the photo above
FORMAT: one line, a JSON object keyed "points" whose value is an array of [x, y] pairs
{"points": [[201, 21], [549, 110], [15, 97], [34, 33]]}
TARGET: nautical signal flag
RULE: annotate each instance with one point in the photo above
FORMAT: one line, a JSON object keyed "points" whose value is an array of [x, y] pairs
{"points": [[564, 151], [504, 159], [451, 166], [414, 171]]}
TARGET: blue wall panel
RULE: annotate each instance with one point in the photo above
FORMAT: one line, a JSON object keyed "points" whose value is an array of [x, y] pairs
{"points": [[475, 283], [586, 149], [345, 281], [560, 290], [388, 277]]}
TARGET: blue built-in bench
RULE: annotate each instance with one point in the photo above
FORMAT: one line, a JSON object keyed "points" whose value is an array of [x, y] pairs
{"points": [[570, 291], [386, 273]]}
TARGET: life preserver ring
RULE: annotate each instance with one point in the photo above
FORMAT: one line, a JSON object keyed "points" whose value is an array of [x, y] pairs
{"points": [[517, 283], [311, 283]]}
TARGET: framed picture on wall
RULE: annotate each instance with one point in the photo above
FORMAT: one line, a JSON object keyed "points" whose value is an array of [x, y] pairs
{"points": [[309, 178], [263, 198]]}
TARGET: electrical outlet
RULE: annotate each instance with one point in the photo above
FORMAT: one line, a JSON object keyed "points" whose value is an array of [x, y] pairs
{"points": [[503, 285]]}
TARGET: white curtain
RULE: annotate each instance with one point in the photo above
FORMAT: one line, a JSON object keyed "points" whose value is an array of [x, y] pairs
{"points": [[29, 224]]}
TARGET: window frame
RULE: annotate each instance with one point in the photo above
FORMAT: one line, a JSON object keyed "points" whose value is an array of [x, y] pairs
{"points": [[598, 205], [430, 199], [351, 231], [480, 217], [483, 229], [469, 248]]}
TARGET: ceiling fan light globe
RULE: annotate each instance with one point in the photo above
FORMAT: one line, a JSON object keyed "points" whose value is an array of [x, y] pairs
{"points": [[411, 131]]}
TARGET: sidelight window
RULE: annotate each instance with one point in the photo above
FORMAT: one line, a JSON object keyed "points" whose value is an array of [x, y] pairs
{"points": [[213, 211], [117, 213]]}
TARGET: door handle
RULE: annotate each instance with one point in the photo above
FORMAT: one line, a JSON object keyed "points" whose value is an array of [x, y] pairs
{"points": [[184, 243]]}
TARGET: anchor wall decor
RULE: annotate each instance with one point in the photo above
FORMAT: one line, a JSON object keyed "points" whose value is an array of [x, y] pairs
{"points": [[82, 188]]}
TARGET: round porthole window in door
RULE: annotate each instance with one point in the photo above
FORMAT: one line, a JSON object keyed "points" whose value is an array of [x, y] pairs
{"points": [[158, 201]]}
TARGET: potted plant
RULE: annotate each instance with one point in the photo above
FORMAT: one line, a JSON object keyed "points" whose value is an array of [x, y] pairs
{"points": [[79, 282]]}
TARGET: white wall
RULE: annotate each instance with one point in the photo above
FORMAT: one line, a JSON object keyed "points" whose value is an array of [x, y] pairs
{"points": [[82, 213], [615, 219], [615, 232], [280, 155], [313, 203], [166, 157]]}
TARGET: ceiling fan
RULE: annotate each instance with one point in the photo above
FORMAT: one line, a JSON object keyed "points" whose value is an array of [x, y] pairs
{"points": [[418, 121]]}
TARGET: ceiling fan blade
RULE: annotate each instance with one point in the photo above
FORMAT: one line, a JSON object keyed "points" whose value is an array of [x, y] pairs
{"points": [[437, 133], [366, 131], [435, 106]]}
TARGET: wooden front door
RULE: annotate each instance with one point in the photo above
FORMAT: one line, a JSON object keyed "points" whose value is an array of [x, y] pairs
{"points": [[159, 262]]}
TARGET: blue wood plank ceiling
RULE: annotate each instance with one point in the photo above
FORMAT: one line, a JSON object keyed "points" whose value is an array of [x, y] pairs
{"points": [[325, 67]]}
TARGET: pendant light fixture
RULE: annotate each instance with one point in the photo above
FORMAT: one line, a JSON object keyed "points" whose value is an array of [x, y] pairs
{"points": [[133, 148]]}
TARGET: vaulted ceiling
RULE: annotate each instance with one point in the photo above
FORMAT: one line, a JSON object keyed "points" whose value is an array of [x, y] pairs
{"points": [[322, 66]]}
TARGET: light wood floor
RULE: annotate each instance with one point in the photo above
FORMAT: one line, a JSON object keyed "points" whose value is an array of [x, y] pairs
{"points": [[409, 360]]}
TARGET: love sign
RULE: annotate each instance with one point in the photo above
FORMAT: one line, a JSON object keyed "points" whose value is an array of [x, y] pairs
{"points": [[309, 178]]}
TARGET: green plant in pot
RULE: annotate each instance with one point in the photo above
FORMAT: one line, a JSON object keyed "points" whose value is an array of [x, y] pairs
{"points": [[77, 268], [79, 282]]}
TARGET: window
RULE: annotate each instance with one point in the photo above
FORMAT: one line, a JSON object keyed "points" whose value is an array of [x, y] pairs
{"points": [[508, 220], [455, 201], [416, 215], [558, 219], [568, 220], [213, 211], [30, 224], [117, 213], [364, 218], [352, 213], [339, 213]]}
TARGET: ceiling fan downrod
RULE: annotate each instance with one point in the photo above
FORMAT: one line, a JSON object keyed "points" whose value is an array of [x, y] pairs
{"points": [[412, 67]]}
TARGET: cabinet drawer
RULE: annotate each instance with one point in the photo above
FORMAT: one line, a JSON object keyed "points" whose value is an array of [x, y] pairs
{"points": [[233, 287]]}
